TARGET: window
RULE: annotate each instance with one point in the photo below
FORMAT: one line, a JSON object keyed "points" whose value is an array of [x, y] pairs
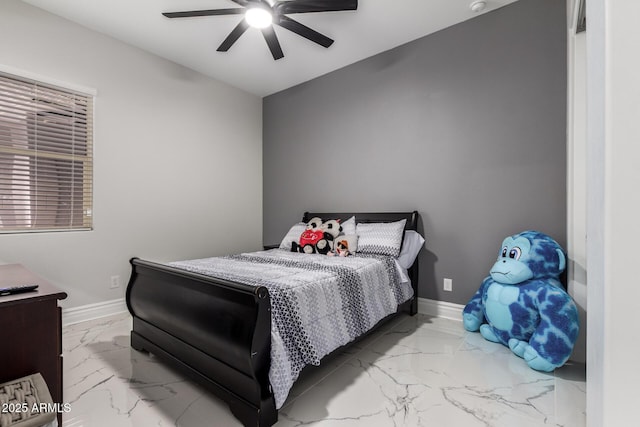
{"points": [[46, 157]]}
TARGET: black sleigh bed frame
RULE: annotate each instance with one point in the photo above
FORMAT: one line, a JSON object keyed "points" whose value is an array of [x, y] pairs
{"points": [[218, 332]]}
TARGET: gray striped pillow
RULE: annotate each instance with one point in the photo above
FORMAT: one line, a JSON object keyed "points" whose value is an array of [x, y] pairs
{"points": [[381, 238]]}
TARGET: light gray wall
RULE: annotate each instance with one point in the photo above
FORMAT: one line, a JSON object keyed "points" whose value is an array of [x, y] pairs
{"points": [[468, 126], [167, 141]]}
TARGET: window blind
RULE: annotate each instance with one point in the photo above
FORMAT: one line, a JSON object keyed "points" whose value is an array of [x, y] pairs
{"points": [[46, 157]]}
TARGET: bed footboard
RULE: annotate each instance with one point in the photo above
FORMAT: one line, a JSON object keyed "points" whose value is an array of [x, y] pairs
{"points": [[216, 331]]}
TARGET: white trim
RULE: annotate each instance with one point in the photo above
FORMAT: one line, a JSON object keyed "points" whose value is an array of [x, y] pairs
{"points": [[93, 311], [447, 310], [63, 85]]}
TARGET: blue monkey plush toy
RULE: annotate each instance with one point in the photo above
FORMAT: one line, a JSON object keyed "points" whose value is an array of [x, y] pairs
{"points": [[523, 303]]}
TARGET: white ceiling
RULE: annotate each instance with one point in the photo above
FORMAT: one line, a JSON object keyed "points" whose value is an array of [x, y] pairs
{"points": [[377, 26]]}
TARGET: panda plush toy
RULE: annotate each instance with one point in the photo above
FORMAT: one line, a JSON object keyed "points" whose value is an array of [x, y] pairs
{"points": [[523, 305], [309, 237], [330, 229], [318, 237]]}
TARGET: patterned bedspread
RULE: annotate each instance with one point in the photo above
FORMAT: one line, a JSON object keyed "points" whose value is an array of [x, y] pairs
{"points": [[318, 303]]}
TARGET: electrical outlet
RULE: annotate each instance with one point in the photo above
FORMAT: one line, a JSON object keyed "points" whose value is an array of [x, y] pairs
{"points": [[115, 282], [448, 285]]}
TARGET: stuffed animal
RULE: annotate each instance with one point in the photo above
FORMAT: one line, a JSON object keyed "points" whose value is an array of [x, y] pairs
{"points": [[309, 237], [523, 303], [345, 245], [342, 248], [331, 229]]}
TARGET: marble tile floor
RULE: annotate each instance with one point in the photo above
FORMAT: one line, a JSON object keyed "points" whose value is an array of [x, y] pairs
{"points": [[413, 371]]}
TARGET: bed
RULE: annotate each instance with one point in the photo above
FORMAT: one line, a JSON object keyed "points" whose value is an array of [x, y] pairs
{"points": [[218, 330]]}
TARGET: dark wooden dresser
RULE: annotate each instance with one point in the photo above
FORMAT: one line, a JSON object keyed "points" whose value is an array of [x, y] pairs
{"points": [[31, 330]]}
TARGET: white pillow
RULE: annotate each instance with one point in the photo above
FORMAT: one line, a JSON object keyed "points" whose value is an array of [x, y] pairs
{"points": [[349, 226], [381, 238], [293, 235], [411, 246]]}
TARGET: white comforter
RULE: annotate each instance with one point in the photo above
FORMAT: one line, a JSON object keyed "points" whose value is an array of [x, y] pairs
{"points": [[318, 303]]}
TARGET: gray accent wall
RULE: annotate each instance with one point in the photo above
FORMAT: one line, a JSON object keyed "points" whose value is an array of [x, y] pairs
{"points": [[467, 126]]}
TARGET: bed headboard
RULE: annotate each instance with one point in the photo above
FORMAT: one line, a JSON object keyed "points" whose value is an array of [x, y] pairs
{"points": [[411, 217], [412, 224]]}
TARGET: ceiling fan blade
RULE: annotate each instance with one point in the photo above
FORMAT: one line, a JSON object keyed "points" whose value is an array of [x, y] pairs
{"points": [[273, 43], [303, 30], [211, 12], [233, 36], [305, 6]]}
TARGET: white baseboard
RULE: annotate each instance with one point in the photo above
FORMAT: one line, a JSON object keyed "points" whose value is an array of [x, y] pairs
{"points": [[447, 310], [93, 311]]}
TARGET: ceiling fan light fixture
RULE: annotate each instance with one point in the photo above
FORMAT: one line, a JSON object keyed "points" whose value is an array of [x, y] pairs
{"points": [[258, 17], [265, 14]]}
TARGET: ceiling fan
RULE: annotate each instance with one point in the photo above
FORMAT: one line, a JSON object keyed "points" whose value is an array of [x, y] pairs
{"points": [[263, 13]]}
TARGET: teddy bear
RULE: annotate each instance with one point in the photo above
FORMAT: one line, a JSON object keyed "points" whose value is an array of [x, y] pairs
{"points": [[312, 234], [330, 229], [523, 305]]}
